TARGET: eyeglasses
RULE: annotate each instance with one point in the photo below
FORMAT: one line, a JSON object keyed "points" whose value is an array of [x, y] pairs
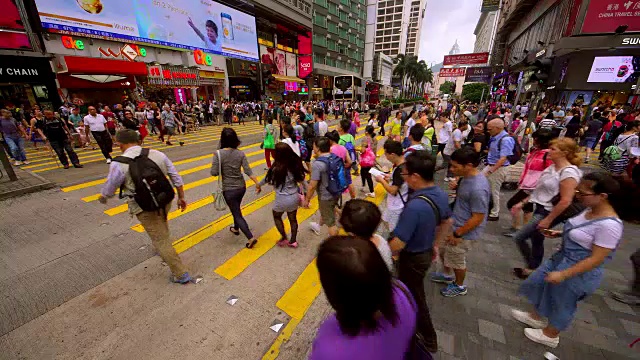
{"points": [[404, 174], [581, 193]]}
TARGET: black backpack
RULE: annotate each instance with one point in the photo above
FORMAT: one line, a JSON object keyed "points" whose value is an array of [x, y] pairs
{"points": [[517, 150], [153, 191]]}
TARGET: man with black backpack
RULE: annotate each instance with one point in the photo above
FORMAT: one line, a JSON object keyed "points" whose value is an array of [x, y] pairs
{"points": [[141, 175]]}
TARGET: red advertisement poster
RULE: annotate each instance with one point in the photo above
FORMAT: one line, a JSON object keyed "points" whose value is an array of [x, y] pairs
{"points": [[305, 66], [604, 16], [451, 72], [468, 59]]}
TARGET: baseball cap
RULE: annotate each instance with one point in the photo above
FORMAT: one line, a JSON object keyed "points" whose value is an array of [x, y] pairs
{"points": [[468, 114]]}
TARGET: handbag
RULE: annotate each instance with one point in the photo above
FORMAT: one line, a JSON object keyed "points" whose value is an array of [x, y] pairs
{"points": [[575, 208], [269, 141], [218, 199], [368, 158]]}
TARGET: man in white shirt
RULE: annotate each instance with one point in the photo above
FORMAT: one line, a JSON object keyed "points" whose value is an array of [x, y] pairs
{"points": [[454, 143], [95, 123], [558, 115], [411, 122], [445, 132]]}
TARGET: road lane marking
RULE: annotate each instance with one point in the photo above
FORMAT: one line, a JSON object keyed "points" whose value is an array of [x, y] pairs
{"points": [[186, 242], [245, 257], [296, 301], [193, 206], [99, 157]]}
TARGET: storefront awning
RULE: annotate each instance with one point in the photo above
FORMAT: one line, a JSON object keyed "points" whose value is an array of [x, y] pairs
{"points": [[98, 82], [96, 66], [288, 78]]}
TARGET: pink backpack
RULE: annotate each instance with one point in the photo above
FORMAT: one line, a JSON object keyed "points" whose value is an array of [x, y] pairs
{"points": [[534, 165]]}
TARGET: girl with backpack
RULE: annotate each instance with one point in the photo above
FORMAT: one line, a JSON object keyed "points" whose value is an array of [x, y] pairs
{"points": [[286, 176], [616, 157], [368, 151]]}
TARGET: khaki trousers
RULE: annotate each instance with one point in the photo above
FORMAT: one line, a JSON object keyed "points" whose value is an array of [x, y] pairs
{"points": [[156, 225], [495, 180]]}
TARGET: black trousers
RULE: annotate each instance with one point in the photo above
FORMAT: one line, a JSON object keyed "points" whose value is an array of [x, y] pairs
{"points": [[366, 177], [381, 124], [412, 269], [104, 141], [635, 260], [60, 146]]}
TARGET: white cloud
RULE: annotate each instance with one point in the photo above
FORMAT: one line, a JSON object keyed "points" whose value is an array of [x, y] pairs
{"points": [[446, 21]]}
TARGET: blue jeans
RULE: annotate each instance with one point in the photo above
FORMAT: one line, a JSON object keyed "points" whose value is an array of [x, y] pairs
{"points": [[534, 254], [16, 145], [233, 198]]}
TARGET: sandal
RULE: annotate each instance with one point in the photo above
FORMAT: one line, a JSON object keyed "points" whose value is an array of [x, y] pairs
{"points": [[283, 242], [292, 244], [251, 243], [521, 273], [234, 231]]}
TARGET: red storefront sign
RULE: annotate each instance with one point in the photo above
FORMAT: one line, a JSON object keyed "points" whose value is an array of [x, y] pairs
{"points": [[468, 59], [604, 16], [451, 72], [305, 66]]}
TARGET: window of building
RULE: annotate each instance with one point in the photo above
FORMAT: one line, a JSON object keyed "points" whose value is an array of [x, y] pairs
{"points": [[395, 38], [345, 2], [379, 47], [332, 45], [318, 58], [393, 52], [343, 33], [352, 38], [397, 17], [333, 9], [322, 3], [320, 20], [397, 24], [319, 40], [333, 27], [329, 61], [352, 23], [381, 12]]}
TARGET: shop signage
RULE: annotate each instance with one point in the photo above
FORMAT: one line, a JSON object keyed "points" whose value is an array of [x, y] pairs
{"points": [[630, 41], [71, 43], [451, 72], [613, 69], [604, 16], [305, 66], [17, 69], [241, 68], [192, 25], [468, 59], [173, 75], [478, 74], [201, 58], [127, 51]]}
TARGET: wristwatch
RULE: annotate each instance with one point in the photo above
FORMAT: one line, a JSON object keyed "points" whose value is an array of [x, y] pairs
{"points": [[455, 235]]}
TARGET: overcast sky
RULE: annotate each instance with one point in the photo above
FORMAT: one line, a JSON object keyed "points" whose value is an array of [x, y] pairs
{"points": [[443, 23]]}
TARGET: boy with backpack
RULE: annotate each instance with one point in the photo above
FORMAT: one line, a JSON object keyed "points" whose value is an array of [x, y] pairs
{"points": [[349, 142], [141, 174], [328, 178]]}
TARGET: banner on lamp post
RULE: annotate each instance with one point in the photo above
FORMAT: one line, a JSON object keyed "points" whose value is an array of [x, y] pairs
{"points": [[305, 66]]}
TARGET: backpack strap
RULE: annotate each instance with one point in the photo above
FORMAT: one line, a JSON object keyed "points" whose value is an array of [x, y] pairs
{"points": [[436, 211]]}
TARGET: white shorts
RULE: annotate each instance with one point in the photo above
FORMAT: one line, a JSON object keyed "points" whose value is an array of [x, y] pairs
{"points": [[391, 217]]}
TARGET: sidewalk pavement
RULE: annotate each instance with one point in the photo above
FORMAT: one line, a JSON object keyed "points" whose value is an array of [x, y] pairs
{"points": [[27, 182]]}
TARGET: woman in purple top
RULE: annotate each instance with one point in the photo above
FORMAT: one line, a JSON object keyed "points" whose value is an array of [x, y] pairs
{"points": [[375, 317]]}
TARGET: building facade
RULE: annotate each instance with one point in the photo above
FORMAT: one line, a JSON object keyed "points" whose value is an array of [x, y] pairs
{"points": [[572, 51], [484, 31], [416, 15], [392, 27], [339, 36]]}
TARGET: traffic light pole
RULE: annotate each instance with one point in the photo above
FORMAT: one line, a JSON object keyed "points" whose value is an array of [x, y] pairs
{"points": [[7, 165]]}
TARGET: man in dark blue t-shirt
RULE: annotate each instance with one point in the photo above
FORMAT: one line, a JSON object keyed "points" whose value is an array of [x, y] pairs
{"points": [[415, 234]]}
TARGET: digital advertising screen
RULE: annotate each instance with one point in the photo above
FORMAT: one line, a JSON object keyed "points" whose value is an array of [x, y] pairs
{"points": [[615, 69], [194, 24]]}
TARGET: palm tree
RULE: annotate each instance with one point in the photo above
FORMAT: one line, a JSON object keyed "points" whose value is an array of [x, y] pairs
{"points": [[402, 68], [414, 74]]}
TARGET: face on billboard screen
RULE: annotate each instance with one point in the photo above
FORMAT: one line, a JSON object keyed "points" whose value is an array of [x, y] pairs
{"points": [[204, 25], [615, 69]]}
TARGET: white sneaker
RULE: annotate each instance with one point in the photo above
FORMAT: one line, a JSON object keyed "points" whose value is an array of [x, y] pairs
{"points": [[315, 227], [538, 336], [371, 195], [26, 162], [447, 179], [17, 163], [525, 318], [108, 161]]}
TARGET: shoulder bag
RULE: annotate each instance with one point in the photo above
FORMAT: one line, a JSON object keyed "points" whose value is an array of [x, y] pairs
{"points": [[218, 199], [269, 141], [572, 210]]}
